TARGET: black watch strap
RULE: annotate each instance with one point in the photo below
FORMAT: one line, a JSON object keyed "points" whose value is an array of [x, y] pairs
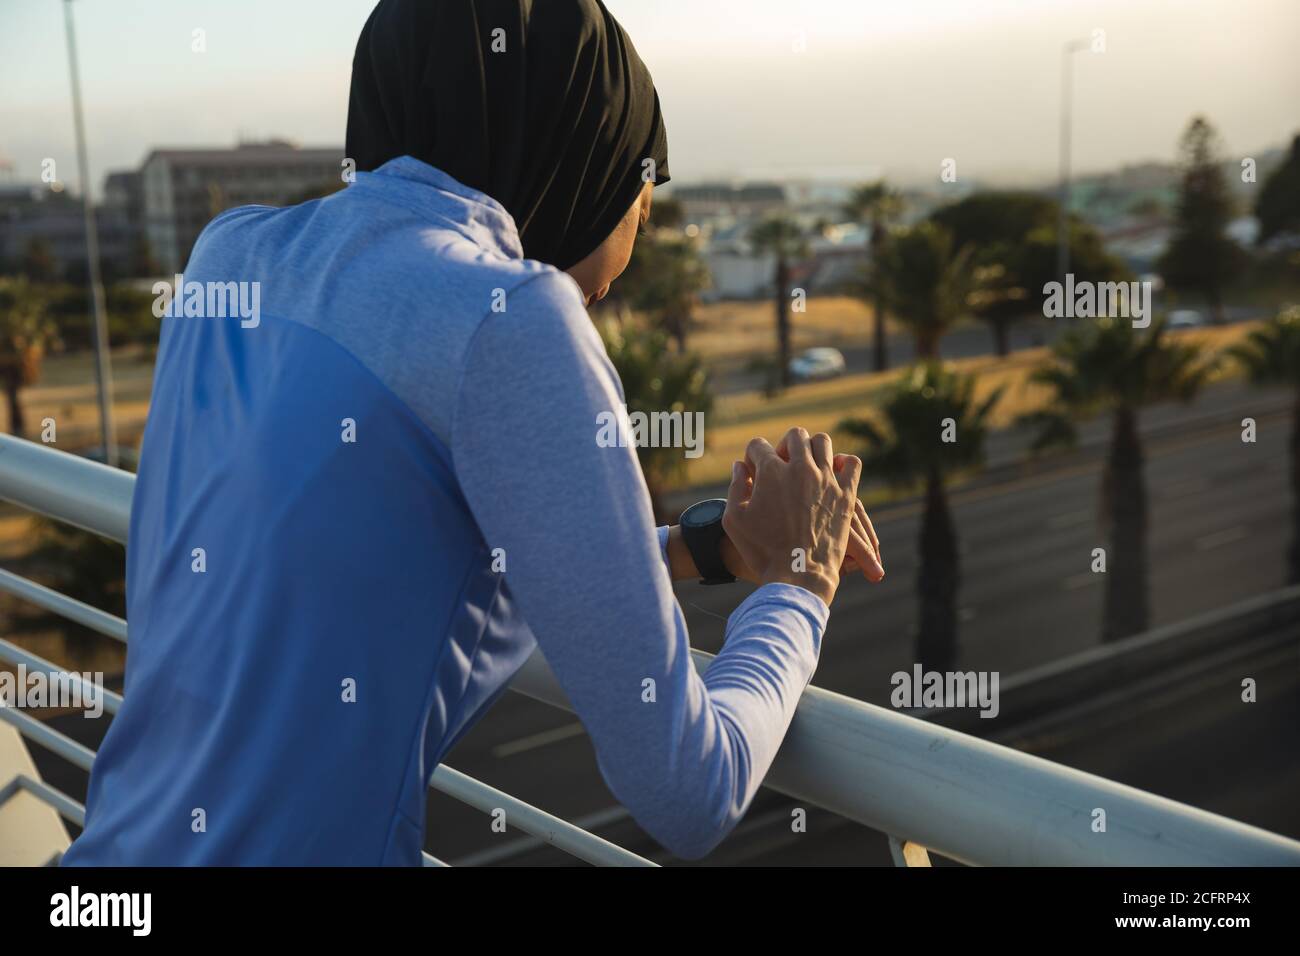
{"points": [[701, 526]]}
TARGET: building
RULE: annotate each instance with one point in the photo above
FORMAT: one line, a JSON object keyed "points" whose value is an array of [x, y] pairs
{"points": [[182, 189], [34, 214], [124, 197], [706, 202]]}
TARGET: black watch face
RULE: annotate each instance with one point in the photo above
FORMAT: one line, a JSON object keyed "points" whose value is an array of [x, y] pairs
{"points": [[704, 513]]}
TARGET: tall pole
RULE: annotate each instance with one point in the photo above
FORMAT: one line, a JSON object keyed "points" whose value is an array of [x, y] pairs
{"points": [[103, 366], [1067, 104]]}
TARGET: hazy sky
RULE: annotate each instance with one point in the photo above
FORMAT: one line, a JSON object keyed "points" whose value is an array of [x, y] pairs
{"points": [[796, 88]]}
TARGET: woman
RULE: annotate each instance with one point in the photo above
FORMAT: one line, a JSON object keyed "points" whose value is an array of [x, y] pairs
{"points": [[357, 516]]}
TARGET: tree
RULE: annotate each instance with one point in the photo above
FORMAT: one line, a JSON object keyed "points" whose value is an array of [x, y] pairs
{"points": [[656, 380], [1200, 255], [1111, 368], [1013, 241], [936, 428], [1278, 206], [782, 237], [38, 263], [876, 206], [26, 333], [924, 282], [1271, 356], [663, 280], [999, 295], [143, 262], [667, 213]]}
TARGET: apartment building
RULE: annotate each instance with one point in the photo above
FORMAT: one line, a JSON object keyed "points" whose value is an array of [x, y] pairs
{"points": [[182, 189]]}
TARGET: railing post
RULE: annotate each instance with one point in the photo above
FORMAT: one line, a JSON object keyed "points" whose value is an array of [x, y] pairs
{"points": [[908, 854]]}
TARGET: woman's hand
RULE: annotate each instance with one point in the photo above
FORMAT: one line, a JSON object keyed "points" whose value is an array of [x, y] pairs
{"points": [[861, 556], [862, 553], [791, 514]]}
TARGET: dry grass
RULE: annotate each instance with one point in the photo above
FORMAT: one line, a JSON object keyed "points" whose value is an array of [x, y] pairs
{"points": [[821, 406], [733, 331]]}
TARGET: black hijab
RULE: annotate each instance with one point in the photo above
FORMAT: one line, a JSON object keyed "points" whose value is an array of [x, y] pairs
{"points": [[556, 128]]}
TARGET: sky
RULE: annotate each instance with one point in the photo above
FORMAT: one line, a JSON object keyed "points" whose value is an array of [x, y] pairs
{"points": [[792, 89]]}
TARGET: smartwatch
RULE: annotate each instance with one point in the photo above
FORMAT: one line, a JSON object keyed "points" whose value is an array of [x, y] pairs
{"points": [[701, 526]]}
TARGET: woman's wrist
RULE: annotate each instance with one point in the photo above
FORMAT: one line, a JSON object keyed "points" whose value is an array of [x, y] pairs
{"points": [[734, 562], [681, 566], [813, 581]]}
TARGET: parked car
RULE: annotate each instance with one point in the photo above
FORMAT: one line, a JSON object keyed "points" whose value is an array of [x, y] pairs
{"points": [[817, 363], [1185, 319]]}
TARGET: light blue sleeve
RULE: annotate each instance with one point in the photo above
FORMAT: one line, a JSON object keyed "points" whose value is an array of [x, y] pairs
{"points": [[684, 754]]}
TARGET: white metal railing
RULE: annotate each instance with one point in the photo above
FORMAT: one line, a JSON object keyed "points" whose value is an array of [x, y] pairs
{"points": [[920, 783]]}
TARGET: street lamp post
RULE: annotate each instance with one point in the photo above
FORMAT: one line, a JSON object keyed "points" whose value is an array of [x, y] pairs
{"points": [[1063, 213], [103, 366]]}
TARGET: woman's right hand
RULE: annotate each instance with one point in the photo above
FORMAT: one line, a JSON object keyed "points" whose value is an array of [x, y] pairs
{"points": [[795, 526]]}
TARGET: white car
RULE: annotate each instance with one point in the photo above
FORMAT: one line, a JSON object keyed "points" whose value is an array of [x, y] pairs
{"points": [[1185, 319], [817, 363]]}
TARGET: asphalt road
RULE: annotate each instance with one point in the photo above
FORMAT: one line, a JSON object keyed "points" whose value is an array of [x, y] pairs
{"points": [[1219, 532]]}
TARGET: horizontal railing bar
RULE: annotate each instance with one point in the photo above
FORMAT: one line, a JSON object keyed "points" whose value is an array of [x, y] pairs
{"points": [[974, 801], [67, 487], [64, 606], [558, 833], [49, 738], [528, 844], [68, 808], [16, 655], [430, 860]]}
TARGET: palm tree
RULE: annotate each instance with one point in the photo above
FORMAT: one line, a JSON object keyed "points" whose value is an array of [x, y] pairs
{"points": [[657, 379], [936, 428], [1014, 235], [663, 280], [1201, 255], [1271, 356], [1111, 368], [38, 263], [1278, 205], [876, 206], [924, 282], [26, 333], [782, 237], [998, 294]]}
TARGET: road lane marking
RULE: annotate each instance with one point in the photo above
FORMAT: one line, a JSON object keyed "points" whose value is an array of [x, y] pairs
{"points": [[1220, 538], [533, 741]]}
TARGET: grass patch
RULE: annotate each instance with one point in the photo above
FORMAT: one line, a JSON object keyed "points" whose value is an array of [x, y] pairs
{"points": [[821, 406]]}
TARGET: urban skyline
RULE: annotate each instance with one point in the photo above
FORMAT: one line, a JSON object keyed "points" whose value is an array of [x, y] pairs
{"points": [[913, 86]]}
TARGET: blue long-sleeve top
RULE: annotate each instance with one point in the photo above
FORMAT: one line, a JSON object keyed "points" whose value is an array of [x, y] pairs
{"points": [[360, 510]]}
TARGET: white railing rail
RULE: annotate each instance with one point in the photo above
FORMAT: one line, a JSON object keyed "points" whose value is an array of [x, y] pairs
{"points": [[968, 799]]}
